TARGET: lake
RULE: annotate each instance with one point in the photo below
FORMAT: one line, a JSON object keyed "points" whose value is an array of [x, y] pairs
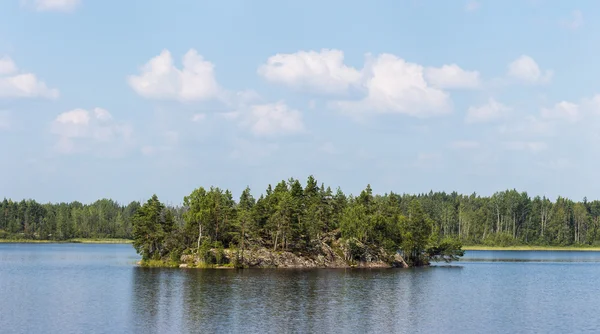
{"points": [[85, 288]]}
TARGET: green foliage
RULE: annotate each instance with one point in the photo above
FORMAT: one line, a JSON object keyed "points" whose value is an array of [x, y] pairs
{"points": [[204, 252], [295, 217], [416, 231], [103, 219], [447, 250], [152, 225]]}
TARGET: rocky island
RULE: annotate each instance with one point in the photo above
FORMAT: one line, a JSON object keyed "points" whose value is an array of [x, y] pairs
{"points": [[290, 226]]}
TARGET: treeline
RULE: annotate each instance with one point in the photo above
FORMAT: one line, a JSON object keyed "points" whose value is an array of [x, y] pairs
{"points": [[29, 219], [290, 214]]}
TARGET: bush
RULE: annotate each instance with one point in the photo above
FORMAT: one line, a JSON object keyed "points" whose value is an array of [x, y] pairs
{"points": [[219, 252], [204, 252]]}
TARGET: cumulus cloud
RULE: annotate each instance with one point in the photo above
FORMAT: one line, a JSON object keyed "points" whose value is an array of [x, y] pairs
{"points": [[491, 111], [321, 72], [526, 70], [79, 128], [272, 119], [385, 84], [159, 78], [452, 77], [394, 85], [17, 84], [52, 5]]}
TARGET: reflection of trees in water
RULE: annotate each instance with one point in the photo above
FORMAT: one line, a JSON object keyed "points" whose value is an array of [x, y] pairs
{"points": [[208, 299], [217, 301], [155, 307], [145, 305]]}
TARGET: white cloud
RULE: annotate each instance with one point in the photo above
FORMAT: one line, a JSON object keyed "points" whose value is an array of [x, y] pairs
{"points": [[321, 72], [394, 85], [79, 128], [452, 76], [491, 111], [532, 146], [472, 6], [525, 69], [563, 110], [161, 79], [574, 21], [14, 84], [390, 84], [52, 5], [272, 119], [465, 144]]}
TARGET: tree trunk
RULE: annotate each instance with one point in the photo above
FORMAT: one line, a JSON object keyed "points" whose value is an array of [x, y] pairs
{"points": [[199, 234], [243, 237]]}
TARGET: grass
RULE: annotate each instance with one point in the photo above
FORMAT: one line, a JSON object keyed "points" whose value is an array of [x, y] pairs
{"points": [[101, 241], [158, 264], [533, 248], [77, 240], [172, 264]]}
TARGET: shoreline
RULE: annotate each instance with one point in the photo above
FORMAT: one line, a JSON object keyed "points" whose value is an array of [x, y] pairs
{"points": [[532, 248], [70, 241]]}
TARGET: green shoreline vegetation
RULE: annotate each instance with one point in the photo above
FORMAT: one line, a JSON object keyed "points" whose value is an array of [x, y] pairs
{"points": [[300, 225]]}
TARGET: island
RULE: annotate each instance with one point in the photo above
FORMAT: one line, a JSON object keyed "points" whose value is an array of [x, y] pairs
{"points": [[291, 226]]}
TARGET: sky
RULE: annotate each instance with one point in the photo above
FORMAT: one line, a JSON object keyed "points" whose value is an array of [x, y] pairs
{"points": [[125, 99]]}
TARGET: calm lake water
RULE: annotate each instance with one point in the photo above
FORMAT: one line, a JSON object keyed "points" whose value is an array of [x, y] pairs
{"points": [[75, 288]]}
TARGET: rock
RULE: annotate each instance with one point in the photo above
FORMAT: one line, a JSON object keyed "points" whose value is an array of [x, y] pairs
{"points": [[330, 252], [399, 261]]}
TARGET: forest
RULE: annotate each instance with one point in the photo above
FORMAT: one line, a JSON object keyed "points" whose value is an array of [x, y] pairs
{"points": [[290, 214]]}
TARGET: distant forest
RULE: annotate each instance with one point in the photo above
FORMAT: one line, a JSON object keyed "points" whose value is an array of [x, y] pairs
{"points": [[505, 218]]}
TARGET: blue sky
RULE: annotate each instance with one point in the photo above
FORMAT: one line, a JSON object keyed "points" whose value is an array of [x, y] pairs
{"points": [[123, 99]]}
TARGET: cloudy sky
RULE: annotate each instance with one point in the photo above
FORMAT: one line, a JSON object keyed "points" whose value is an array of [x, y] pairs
{"points": [[123, 99]]}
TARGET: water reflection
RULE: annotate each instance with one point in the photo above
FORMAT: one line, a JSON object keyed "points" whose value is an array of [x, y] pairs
{"points": [[531, 256], [279, 301], [81, 289]]}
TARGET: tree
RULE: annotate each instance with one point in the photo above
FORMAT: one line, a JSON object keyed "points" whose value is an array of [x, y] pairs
{"points": [[416, 233], [197, 213], [149, 229], [245, 220]]}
